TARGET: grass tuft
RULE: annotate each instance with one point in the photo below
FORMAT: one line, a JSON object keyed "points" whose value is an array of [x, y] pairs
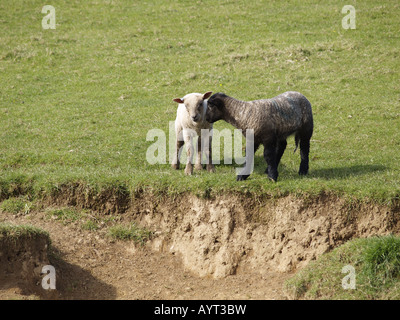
{"points": [[130, 232], [16, 205], [13, 232], [64, 215]]}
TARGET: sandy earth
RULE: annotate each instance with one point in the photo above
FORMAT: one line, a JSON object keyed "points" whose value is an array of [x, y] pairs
{"points": [[90, 265], [202, 249]]}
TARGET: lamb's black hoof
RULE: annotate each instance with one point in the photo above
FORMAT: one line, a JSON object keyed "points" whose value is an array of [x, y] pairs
{"points": [[303, 170], [272, 175], [242, 177]]}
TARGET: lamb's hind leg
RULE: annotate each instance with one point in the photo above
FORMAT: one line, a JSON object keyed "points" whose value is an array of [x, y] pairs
{"points": [[206, 145], [304, 153], [210, 165], [179, 144], [190, 150], [199, 165], [270, 156], [280, 150]]}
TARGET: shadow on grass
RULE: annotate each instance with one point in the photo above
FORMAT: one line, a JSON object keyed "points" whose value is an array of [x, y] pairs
{"points": [[346, 171], [323, 173]]}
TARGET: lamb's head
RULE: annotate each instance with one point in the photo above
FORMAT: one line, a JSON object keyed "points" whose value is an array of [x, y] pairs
{"points": [[194, 103], [215, 106]]}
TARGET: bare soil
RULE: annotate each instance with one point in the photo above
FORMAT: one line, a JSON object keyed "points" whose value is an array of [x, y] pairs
{"points": [[229, 247], [89, 265]]}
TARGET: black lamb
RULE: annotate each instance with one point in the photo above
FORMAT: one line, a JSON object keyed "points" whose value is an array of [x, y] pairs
{"points": [[273, 121]]}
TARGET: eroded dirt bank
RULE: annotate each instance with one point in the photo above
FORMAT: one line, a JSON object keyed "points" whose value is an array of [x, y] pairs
{"points": [[221, 236], [227, 247]]}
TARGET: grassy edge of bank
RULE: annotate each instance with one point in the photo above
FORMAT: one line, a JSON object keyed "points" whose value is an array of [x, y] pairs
{"points": [[35, 189], [360, 269]]}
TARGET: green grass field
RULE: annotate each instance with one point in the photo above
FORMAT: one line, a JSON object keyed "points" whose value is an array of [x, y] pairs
{"points": [[374, 272], [77, 102]]}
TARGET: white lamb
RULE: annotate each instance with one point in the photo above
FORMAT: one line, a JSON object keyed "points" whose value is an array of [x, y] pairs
{"points": [[190, 120]]}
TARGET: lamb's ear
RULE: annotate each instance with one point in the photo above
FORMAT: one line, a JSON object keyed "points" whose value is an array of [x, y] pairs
{"points": [[207, 95], [179, 100]]}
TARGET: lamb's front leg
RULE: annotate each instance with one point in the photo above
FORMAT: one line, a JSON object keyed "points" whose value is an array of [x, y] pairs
{"points": [[251, 148]]}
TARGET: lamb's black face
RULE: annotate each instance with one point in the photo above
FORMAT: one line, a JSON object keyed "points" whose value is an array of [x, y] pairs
{"points": [[214, 109]]}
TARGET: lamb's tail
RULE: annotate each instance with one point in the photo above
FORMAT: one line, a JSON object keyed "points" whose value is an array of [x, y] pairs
{"points": [[296, 139]]}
